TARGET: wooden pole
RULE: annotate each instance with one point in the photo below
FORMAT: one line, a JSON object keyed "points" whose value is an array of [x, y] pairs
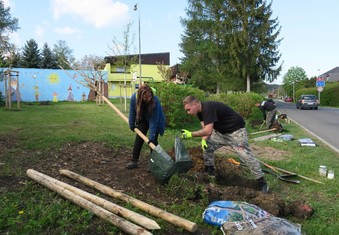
{"points": [[176, 220], [136, 130], [122, 224], [258, 132], [116, 209]]}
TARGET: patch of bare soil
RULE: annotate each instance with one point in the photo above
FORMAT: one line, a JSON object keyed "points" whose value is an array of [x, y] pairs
{"points": [[106, 165]]}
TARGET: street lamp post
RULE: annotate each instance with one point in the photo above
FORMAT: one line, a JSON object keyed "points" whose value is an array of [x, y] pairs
{"points": [[137, 7]]}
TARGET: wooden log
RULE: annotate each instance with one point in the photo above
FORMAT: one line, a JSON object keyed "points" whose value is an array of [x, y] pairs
{"points": [[169, 217], [116, 209], [117, 221]]}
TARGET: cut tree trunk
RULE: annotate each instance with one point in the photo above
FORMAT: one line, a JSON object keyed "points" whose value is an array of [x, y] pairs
{"points": [[117, 221], [169, 217]]}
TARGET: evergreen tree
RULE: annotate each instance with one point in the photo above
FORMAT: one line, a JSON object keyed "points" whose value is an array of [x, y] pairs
{"points": [[64, 55], [254, 41], [203, 45], [228, 45], [7, 25], [31, 55], [48, 59]]}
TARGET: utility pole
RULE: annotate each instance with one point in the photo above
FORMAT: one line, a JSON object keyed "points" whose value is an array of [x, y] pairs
{"points": [[137, 7]]}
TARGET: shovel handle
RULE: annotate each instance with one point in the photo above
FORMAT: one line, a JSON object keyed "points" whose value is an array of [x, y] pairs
{"points": [[258, 132], [126, 120], [269, 166]]}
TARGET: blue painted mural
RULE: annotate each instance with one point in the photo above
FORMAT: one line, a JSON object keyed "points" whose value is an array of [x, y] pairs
{"points": [[47, 85]]}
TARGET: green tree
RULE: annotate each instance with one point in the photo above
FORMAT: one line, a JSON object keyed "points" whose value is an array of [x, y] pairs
{"points": [[8, 25], [204, 45], [11, 59], [64, 55], [229, 45], [294, 79], [254, 41], [31, 55], [311, 82], [48, 59]]}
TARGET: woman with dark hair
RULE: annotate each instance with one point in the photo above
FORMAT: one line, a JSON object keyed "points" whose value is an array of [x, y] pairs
{"points": [[145, 113]]}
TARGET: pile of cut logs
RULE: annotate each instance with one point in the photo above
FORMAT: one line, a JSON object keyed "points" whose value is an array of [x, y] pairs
{"points": [[128, 221]]}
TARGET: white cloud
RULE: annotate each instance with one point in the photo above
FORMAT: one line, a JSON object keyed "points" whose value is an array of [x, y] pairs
{"points": [[39, 31], [100, 13], [67, 30]]}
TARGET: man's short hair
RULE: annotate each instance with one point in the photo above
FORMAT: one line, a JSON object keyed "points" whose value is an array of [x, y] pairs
{"points": [[190, 99]]}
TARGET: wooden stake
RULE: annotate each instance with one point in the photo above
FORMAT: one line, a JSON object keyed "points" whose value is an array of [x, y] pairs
{"points": [[116, 209], [176, 220], [121, 223]]}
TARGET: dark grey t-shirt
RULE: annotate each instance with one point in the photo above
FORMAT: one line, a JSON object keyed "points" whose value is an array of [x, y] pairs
{"points": [[225, 119]]}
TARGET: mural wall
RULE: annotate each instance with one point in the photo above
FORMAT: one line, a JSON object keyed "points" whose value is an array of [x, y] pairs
{"points": [[46, 85]]}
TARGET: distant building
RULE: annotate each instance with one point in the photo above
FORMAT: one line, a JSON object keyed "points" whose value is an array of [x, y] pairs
{"points": [[331, 75], [120, 81]]}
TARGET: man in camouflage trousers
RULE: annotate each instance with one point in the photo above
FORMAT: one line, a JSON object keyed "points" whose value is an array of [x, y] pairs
{"points": [[222, 126]]}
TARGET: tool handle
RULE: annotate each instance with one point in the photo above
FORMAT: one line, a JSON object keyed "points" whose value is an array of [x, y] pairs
{"points": [[126, 120]]}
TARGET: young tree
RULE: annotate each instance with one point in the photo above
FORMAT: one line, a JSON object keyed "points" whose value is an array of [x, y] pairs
{"points": [[7, 25], [91, 62], [48, 59], [230, 44], [122, 54], [31, 55], [64, 55]]}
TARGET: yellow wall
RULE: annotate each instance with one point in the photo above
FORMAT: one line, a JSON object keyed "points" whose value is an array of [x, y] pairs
{"points": [[116, 80]]}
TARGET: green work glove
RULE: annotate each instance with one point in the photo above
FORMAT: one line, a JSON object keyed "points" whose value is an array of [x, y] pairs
{"points": [[204, 145], [185, 134]]}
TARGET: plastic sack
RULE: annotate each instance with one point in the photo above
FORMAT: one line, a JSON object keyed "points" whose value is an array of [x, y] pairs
{"points": [[219, 212], [183, 162], [306, 142], [266, 226], [235, 217], [162, 166]]}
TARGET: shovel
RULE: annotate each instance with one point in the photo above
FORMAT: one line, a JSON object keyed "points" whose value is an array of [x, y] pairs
{"points": [[282, 177]]}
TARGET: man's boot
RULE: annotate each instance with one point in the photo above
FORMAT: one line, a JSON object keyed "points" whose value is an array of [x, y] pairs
{"points": [[262, 185], [209, 170], [132, 165]]}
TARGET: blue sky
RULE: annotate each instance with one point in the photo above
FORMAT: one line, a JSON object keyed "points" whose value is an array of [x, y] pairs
{"points": [[309, 28]]}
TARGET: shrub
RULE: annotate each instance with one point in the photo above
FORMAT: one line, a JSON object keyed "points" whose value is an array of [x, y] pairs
{"points": [[171, 96], [243, 103]]}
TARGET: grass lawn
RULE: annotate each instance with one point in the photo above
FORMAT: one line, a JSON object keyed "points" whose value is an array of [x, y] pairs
{"points": [[47, 127]]}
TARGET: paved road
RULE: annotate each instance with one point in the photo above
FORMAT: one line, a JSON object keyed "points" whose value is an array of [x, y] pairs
{"points": [[322, 123]]}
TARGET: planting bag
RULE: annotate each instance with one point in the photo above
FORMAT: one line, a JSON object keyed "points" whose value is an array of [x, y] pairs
{"points": [[183, 161], [235, 217], [162, 166]]}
